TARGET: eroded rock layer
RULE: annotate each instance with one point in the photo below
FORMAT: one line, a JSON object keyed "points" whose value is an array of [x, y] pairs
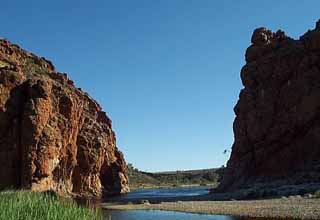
{"points": [[277, 125], [53, 136]]}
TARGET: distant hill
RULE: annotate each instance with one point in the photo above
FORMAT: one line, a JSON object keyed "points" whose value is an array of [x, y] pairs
{"points": [[140, 179]]}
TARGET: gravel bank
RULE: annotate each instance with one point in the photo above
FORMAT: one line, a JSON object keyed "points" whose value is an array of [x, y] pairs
{"points": [[295, 208]]}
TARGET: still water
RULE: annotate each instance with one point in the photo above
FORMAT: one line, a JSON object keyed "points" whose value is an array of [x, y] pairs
{"points": [[164, 193], [160, 215], [169, 192]]}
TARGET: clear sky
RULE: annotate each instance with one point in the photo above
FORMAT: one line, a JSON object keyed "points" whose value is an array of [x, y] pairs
{"points": [[166, 71]]}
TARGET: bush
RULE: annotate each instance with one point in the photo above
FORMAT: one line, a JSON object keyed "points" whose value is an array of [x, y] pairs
{"points": [[26, 205], [317, 194]]}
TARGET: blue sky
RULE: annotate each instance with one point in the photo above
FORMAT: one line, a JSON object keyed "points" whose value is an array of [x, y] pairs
{"points": [[166, 72]]}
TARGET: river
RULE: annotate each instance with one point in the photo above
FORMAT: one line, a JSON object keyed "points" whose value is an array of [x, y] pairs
{"points": [[160, 215], [164, 193]]}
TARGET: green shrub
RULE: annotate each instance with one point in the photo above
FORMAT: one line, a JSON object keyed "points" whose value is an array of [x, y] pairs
{"points": [[317, 194], [26, 205]]}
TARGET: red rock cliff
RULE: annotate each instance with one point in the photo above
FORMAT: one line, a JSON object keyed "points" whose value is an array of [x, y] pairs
{"points": [[277, 125], [53, 136]]}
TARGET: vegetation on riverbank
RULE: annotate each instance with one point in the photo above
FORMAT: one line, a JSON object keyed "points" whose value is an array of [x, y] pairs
{"points": [[140, 179], [28, 205], [317, 194]]}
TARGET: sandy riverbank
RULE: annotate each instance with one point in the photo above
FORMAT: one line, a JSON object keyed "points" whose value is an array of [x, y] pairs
{"points": [[296, 208]]}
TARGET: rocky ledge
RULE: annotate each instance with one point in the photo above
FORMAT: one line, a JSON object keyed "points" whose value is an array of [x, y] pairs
{"points": [[277, 124], [53, 136]]}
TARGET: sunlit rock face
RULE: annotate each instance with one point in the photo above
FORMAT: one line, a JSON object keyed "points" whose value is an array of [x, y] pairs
{"points": [[277, 124], [53, 136]]}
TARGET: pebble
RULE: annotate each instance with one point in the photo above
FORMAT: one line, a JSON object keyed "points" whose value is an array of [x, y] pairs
{"points": [[308, 196]]}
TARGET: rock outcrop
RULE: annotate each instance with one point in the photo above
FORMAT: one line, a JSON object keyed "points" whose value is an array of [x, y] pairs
{"points": [[277, 124], [53, 136]]}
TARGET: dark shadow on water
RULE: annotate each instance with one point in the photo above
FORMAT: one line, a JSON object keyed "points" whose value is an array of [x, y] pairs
{"points": [[91, 203]]}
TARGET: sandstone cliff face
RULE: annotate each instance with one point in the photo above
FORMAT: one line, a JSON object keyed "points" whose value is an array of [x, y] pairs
{"points": [[53, 136], [277, 125]]}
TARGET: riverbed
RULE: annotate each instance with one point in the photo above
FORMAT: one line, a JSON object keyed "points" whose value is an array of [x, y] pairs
{"points": [[174, 204]]}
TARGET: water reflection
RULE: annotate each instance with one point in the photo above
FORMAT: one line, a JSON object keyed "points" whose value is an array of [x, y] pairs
{"points": [[160, 215]]}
